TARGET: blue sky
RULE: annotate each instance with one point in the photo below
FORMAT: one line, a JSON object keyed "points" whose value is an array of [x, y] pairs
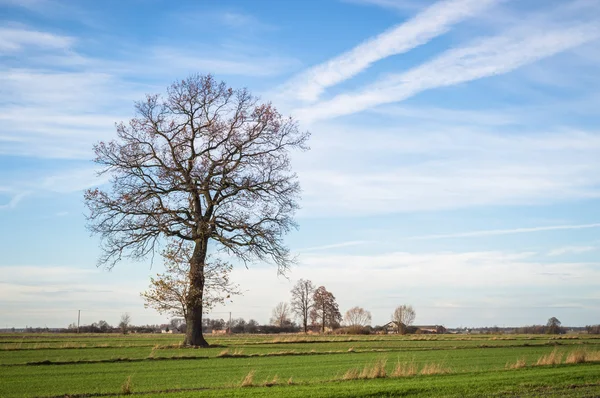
{"points": [[454, 162]]}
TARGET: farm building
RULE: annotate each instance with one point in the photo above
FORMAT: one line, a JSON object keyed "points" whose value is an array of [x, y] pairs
{"points": [[392, 327]]}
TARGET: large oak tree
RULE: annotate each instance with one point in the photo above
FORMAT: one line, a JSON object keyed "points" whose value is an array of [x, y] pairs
{"points": [[205, 164]]}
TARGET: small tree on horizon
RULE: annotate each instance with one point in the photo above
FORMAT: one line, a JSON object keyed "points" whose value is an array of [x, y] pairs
{"points": [[281, 315], [403, 316], [357, 316], [125, 323], [302, 301], [553, 326], [325, 309]]}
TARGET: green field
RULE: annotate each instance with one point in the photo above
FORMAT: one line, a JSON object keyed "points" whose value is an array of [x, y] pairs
{"points": [[46, 365]]}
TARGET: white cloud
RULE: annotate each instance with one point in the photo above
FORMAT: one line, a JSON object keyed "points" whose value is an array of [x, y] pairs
{"points": [[496, 232], [490, 281], [571, 249], [364, 170], [73, 180], [334, 246], [434, 21], [399, 5], [181, 60], [14, 198], [488, 57], [16, 39]]}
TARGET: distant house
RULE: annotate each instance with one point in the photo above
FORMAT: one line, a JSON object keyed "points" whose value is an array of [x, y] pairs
{"points": [[432, 329], [392, 327]]}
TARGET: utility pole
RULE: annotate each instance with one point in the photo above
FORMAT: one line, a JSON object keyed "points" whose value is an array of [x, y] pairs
{"points": [[229, 322], [78, 319]]}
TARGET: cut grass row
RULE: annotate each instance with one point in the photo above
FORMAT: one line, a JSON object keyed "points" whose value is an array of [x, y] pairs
{"points": [[563, 381], [13, 357], [85, 378]]}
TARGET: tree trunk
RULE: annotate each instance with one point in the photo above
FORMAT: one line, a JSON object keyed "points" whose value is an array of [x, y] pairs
{"points": [[193, 333], [323, 319]]}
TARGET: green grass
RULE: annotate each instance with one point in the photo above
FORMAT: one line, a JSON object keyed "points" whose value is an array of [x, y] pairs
{"points": [[315, 364]]}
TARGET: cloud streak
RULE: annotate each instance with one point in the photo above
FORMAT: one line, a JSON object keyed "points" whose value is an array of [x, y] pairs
{"points": [[16, 39], [495, 232], [492, 56], [433, 21]]}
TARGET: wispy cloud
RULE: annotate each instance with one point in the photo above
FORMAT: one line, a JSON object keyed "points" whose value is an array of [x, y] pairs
{"points": [[432, 22], [14, 199], [244, 21], [571, 250], [495, 232], [15, 39], [238, 64], [489, 57], [400, 5], [442, 166], [334, 246]]}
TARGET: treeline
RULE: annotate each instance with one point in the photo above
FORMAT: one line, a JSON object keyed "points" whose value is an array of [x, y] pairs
{"points": [[552, 327], [593, 329], [240, 325]]}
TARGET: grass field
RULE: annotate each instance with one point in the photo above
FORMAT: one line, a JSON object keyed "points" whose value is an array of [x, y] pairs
{"points": [[45, 365]]}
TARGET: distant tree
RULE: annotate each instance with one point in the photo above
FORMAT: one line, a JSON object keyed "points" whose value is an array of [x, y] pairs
{"points": [[104, 327], [251, 326], [205, 164], [553, 326], [125, 323], [593, 329], [325, 309], [169, 292], [281, 315], [238, 325], [403, 316], [177, 324], [357, 316], [302, 301]]}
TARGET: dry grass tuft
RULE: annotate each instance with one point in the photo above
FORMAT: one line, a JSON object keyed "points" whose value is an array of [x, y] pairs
{"points": [[434, 369], [351, 374], [224, 353], [405, 369], [554, 358], [290, 382], [374, 371], [249, 379], [517, 365], [578, 356], [351, 349], [227, 354], [271, 383], [127, 387], [592, 356]]}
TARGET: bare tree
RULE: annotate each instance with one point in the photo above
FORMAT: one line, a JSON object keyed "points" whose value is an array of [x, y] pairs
{"points": [[168, 292], [281, 315], [205, 164], [325, 309], [124, 323], [302, 301], [553, 326], [403, 316], [357, 316]]}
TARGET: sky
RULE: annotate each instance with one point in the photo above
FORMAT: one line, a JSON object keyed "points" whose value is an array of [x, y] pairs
{"points": [[454, 162]]}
